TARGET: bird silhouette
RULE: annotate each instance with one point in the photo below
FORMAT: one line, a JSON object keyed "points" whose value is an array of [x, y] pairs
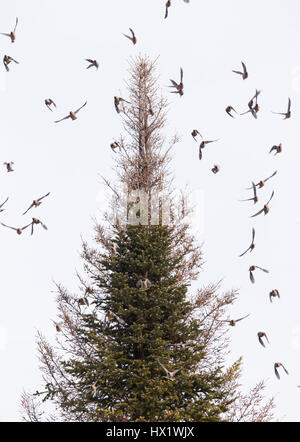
{"points": [[252, 245], [286, 114], [232, 322], [276, 366], [265, 209], [244, 73], [251, 270], [72, 114], [132, 37], [261, 183], [12, 34], [92, 63], [37, 221], [7, 59], [170, 374], [260, 336], [273, 294], [48, 102], [19, 230], [36, 203]]}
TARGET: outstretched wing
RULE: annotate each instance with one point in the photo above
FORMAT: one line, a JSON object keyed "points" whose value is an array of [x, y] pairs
{"points": [[252, 277], [289, 105], [258, 213], [236, 320], [8, 226], [42, 197], [4, 202], [17, 20], [28, 209], [276, 372], [65, 118], [264, 270], [244, 67], [270, 197]]}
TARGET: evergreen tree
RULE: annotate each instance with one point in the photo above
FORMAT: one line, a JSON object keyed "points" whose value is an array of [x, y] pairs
{"points": [[135, 345]]}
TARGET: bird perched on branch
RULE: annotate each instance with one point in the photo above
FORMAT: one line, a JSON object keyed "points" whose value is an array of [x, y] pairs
{"points": [[178, 86], [19, 230], [276, 366], [48, 102], [244, 74], [251, 270], [170, 374], [132, 37], [9, 166], [1, 210], [265, 209], [36, 203], [260, 336], [37, 221], [252, 245], [92, 63], [12, 34], [72, 114], [6, 60], [286, 114]]}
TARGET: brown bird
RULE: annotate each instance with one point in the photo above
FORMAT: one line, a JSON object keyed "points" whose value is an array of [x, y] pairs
{"points": [[37, 221], [244, 74], [278, 149], [252, 245], [132, 38], [253, 108], [115, 145], [286, 114], [36, 203], [58, 327], [203, 144], [230, 109], [19, 230], [265, 209], [8, 166], [6, 60], [261, 183], [233, 322], [179, 86], [170, 374], [12, 34], [255, 197], [143, 284], [92, 63], [72, 114], [251, 270], [168, 4], [48, 103], [276, 366], [89, 290], [1, 210], [260, 335], [117, 101], [194, 133], [215, 169], [273, 294]]}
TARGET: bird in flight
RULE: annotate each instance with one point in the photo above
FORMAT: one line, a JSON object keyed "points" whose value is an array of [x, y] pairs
{"points": [[117, 101], [252, 245], [9, 166], [273, 294], [72, 114], [1, 210], [265, 209], [253, 108], [215, 169], [170, 374], [143, 284], [278, 149], [37, 221], [132, 38], [36, 203], [19, 230], [276, 366], [233, 322], [83, 301], [178, 86], [286, 114], [203, 144], [110, 315], [115, 145], [92, 63], [168, 4], [244, 74], [261, 183], [260, 336], [6, 60], [230, 109], [12, 34], [48, 102], [255, 197], [251, 270]]}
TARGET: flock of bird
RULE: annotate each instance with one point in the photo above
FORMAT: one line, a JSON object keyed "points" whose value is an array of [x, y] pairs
{"points": [[253, 108]]}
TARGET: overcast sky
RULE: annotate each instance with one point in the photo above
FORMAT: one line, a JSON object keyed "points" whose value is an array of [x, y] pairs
{"points": [[208, 39]]}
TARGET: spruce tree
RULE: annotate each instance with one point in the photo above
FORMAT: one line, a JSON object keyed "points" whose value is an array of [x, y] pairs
{"points": [[136, 345]]}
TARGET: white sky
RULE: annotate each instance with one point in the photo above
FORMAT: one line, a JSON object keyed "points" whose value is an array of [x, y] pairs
{"points": [[208, 39]]}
